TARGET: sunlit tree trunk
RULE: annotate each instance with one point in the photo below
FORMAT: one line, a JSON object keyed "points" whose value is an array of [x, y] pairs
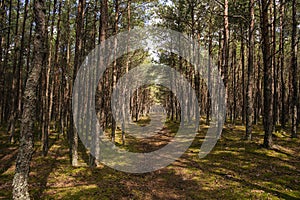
{"points": [[249, 97], [225, 51]]}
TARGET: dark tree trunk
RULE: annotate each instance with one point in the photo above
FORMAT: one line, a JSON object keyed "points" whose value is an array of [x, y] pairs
{"points": [[275, 67], [294, 70], [268, 97], [281, 55], [208, 104]]}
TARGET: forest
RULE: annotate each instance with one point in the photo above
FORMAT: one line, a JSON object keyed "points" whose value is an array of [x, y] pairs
{"points": [[154, 99]]}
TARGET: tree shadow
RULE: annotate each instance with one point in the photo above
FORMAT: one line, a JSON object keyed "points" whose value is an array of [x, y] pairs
{"points": [[42, 167]]}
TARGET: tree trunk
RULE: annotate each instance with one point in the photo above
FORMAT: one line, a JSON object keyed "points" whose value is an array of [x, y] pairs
{"points": [[243, 76], [208, 104], [225, 55], [14, 100], [20, 181], [294, 70], [114, 69], [281, 55], [77, 62], [45, 93], [126, 66], [268, 97], [275, 70], [249, 97], [20, 63]]}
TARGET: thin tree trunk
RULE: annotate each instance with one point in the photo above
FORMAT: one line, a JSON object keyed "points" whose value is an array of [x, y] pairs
{"points": [[249, 97], [126, 67], [114, 68], [275, 74], [20, 63], [243, 76], [225, 54], [294, 70], [2, 14], [77, 62], [6, 56], [208, 104], [281, 55], [48, 70], [13, 114], [55, 63]]}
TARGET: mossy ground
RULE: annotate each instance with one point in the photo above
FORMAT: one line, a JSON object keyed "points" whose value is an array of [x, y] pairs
{"points": [[235, 169]]}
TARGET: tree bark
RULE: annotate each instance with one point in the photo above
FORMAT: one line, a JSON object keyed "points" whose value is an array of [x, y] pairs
{"points": [[268, 97], [294, 70], [225, 54], [249, 97], [281, 55], [275, 67], [243, 76], [20, 181], [13, 113], [77, 62]]}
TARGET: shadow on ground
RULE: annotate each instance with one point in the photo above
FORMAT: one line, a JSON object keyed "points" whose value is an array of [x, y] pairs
{"points": [[235, 169]]}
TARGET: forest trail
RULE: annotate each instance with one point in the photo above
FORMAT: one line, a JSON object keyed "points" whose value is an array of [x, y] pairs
{"points": [[234, 170]]}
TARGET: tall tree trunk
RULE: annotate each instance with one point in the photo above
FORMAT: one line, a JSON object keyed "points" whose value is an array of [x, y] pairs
{"points": [[208, 104], [114, 68], [268, 97], [6, 56], [281, 55], [20, 181], [234, 82], [55, 63], [275, 70], [90, 88], [126, 65], [45, 93], [225, 54], [243, 76], [2, 14], [294, 70], [20, 63], [14, 100], [249, 97], [77, 62]]}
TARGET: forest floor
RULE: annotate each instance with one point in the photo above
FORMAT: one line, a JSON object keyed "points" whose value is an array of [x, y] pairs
{"points": [[235, 169]]}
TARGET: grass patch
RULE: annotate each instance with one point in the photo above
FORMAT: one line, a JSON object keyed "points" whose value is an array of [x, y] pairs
{"points": [[235, 169]]}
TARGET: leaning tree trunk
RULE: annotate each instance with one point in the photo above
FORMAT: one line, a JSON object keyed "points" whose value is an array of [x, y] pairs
{"points": [[20, 181]]}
